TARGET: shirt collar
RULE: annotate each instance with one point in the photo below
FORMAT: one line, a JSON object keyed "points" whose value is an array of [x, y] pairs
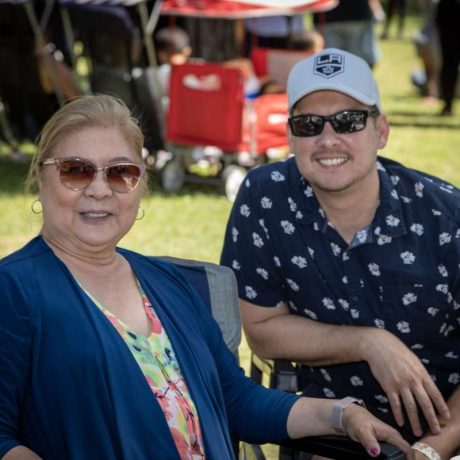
{"points": [[389, 218]]}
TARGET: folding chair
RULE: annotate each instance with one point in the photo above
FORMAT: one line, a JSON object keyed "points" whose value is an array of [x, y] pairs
{"points": [[217, 286], [283, 375]]}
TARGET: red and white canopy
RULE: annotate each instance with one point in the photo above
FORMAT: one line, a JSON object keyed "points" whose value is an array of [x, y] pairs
{"points": [[232, 9]]}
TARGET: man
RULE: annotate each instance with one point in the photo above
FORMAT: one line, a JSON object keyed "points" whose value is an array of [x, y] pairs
{"points": [[349, 263], [173, 47], [350, 26], [272, 31]]}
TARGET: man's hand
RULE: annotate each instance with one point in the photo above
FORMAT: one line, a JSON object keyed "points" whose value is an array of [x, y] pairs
{"points": [[405, 381], [419, 456], [366, 429]]}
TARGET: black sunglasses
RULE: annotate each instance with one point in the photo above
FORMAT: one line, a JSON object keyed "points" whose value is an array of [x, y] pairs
{"points": [[77, 173], [347, 121]]}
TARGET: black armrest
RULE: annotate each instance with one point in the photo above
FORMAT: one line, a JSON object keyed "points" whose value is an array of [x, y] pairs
{"points": [[283, 375], [340, 448]]}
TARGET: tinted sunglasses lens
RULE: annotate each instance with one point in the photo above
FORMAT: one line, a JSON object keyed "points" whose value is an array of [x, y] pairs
{"points": [[123, 178], [349, 122], [306, 125], [76, 174]]}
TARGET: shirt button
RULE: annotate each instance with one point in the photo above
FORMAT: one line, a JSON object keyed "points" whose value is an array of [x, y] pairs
{"points": [[355, 298]]}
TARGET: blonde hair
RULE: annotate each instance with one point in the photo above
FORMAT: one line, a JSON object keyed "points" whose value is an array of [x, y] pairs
{"points": [[83, 112]]}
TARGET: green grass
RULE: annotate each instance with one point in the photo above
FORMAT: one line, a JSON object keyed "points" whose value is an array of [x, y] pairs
{"points": [[191, 224], [419, 137]]}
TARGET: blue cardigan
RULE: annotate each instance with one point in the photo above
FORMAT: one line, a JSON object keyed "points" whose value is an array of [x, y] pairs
{"points": [[71, 389]]}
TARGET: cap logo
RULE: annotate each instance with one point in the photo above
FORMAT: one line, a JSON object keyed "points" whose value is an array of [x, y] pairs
{"points": [[328, 65]]}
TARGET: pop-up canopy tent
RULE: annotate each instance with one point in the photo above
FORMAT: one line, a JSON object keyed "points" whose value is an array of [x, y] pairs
{"points": [[234, 9]]}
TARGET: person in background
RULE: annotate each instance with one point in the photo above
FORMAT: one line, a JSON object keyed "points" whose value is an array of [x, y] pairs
{"points": [[173, 48], [426, 41], [309, 41], [350, 26], [271, 31], [347, 262], [109, 354], [172, 45], [448, 21], [394, 7]]}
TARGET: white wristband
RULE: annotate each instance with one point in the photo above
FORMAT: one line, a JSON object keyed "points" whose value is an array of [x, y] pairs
{"points": [[426, 450]]}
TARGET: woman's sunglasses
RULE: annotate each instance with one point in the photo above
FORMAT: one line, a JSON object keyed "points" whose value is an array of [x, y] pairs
{"points": [[347, 121], [77, 174]]}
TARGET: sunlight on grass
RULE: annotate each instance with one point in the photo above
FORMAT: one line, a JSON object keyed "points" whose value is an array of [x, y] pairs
{"points": [[190, 225], [419, 138]]}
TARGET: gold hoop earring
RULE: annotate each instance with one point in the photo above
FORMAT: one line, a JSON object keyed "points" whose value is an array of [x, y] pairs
{"points": [[36, 206], [140, 213]]}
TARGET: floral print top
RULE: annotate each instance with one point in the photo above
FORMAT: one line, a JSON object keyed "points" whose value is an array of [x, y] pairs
{"points": [[155, 356]]}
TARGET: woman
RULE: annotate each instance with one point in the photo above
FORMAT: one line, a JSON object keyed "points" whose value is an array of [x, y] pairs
{"points": [[107, 354]]}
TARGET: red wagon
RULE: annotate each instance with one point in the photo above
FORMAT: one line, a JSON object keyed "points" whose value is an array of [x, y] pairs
{"points": [[215, 132]]}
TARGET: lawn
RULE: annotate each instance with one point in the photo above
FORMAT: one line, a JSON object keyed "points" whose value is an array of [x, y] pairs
{"points": [[191, 224]]}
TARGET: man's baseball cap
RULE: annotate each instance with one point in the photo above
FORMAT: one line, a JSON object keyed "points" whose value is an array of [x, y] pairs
{"points": [[335, 70]]}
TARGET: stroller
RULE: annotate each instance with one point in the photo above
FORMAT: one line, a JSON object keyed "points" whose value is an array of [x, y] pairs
{"points": [[119, 56]]}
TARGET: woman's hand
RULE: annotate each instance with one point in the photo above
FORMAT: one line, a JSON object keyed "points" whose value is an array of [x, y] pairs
{"points": [[20, 453], [313, 417], [363, 427]]}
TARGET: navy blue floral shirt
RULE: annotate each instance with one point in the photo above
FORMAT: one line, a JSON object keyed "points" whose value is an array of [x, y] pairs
{"points": [[401, 273]]}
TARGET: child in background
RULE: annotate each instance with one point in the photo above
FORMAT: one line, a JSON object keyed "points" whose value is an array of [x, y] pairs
{"points": [[173, 47], [309, 41]]}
